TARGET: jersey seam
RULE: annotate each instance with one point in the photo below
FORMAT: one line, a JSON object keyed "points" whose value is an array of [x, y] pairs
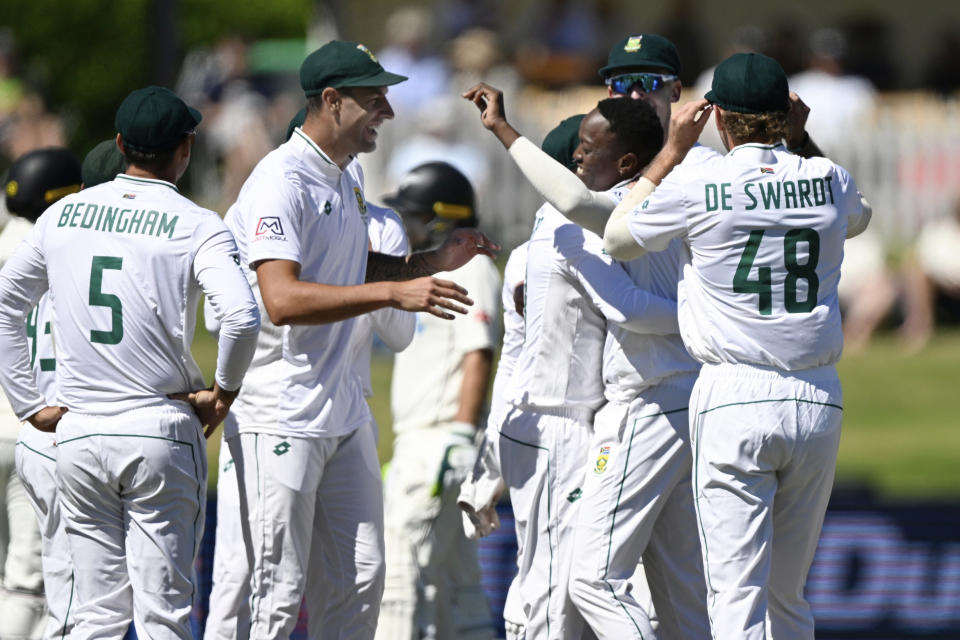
{"points": [[163, 183]]}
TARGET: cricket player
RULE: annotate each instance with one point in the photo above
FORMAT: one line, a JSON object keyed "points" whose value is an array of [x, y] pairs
{"points": [[229, 612], [758, 307], [31, 545], [310, 482], [432, 587], [125, 263], [572, 291]]}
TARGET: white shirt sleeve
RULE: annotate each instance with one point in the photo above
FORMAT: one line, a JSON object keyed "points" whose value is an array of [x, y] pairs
{"points": [[853, 203], [561, 187], [395, 327], [617, 240], [661, 217], [479, 328], [217, 269], [610, 288], [272, 223], [23, 280]]}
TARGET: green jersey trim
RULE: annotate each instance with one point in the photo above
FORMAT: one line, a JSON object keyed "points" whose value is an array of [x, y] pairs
{"points": [[29, 448], [163, 183], [754, 145], [616, 508], [315, 147]]}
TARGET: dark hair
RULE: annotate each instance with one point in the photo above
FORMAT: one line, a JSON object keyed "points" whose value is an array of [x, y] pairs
{"points": [[314, 104], [155, 161], [636, 126]]}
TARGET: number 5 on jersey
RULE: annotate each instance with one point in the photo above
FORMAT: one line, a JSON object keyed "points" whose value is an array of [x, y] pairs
{"points": [[100, 299], [763, 285]]}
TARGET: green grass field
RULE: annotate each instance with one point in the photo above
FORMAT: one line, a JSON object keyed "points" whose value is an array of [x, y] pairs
{"points": [[901, 437]]}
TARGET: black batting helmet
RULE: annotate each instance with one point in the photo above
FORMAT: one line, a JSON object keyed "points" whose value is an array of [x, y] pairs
{"points": [[39, 178], [436, 190]]}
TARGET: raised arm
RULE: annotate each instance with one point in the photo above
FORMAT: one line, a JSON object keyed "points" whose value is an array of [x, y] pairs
{"points": [[558, 185]]}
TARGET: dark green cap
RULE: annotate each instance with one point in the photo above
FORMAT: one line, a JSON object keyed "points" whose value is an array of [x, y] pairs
{"points": [[296, 121], [750, 83], [154, 119], [102, 164], [343, 64], [643, 50], [563, 140]]}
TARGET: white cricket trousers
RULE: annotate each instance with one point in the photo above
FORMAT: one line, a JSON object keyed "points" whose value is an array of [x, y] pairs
{"points": [[432, 586], [133, 491], [21, 577], [542, 457], [765, 450], [228, 616], [37, 468], [638, 503], [316, 524]]}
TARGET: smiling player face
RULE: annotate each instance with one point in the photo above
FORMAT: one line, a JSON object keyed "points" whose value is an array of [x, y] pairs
{"points": [[363, 110], [597, 157]]}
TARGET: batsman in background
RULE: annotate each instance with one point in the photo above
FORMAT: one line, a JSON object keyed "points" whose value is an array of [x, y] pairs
{"points": [[758, 307], [432, 586]]}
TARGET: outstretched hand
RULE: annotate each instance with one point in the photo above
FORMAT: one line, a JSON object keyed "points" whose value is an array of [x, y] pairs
{"points": [[47, 419], [431, 295], [210, 405], [489, 101]]}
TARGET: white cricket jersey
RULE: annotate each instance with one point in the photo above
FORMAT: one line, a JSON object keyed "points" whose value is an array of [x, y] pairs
{"points": [[125, 262], [395, 327], [572, 289], [298, 205], [428, 374], [765, 230], [513, 275], [635, 361]]}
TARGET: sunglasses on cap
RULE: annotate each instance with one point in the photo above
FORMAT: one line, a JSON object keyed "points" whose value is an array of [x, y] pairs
{"points": [[644, 82]]}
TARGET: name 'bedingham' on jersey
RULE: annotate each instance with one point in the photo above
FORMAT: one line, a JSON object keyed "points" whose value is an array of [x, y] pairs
{"points": [[765, 230]]}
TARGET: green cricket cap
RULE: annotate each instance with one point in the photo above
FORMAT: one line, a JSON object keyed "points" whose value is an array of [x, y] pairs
{"points": [[340, 64], [642, 50], [154, 119], [102, 164], [563, 140], [750, 83]]}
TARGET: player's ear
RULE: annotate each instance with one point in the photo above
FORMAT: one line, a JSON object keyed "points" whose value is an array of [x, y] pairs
{"points": [[676, 91], [331, 98], [628, 165]]}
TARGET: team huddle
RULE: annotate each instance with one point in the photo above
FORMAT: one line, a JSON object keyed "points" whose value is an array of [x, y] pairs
{"points": [[665, 413]]}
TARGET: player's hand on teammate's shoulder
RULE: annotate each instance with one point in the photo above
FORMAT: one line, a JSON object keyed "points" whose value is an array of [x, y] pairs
{"points": [[211, 405], [431, 295], [47, 418]]}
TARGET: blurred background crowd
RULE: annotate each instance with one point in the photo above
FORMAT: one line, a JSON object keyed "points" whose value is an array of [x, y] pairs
{"points": [[881, 78]]}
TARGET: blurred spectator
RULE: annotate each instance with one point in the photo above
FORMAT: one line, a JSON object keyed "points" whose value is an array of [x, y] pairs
{"points": [[682, 27], [438, 139], [942, 72], [840, 104], [870, 52], [407, 52], [784, 44], [868, 289], [932, 279], [559, 42], [458, 16], [30, 126], [236, 121]]}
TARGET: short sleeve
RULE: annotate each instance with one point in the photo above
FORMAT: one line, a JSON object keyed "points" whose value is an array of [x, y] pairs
{"points": [[851, 203], [661, 217], [393, 237], [272, 221]]}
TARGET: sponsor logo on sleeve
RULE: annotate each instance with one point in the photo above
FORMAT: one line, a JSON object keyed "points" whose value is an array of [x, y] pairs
{"points": [[269, 226]]}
